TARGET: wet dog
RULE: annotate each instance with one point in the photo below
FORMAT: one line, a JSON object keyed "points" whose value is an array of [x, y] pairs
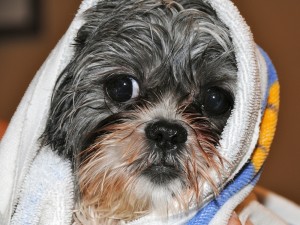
{"points": [[140, 108]]}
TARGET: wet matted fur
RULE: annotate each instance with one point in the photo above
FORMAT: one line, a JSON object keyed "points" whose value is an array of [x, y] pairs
{"points": [[179, 57]]}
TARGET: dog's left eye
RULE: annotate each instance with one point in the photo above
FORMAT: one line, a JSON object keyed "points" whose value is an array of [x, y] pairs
{"points": [[122, 88], [217, 101]]}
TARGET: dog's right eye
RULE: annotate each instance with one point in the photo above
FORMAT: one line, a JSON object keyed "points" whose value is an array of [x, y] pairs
{"points": [[122, 88]]}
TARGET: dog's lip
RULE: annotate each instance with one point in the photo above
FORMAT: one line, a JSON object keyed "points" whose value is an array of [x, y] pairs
{"points": [[161, 173], [162, 166]]}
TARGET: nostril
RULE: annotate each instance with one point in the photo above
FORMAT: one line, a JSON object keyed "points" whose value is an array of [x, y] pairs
{"points": [[180, 136], [166, 134], [158, 136]]}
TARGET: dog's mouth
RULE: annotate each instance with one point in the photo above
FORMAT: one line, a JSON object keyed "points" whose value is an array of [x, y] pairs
{"points": [[161, 173]]}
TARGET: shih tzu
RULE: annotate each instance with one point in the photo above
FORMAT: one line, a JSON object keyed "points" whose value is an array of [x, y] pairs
{"points": [[140, 108]]}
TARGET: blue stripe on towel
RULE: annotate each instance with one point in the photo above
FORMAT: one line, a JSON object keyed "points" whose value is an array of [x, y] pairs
{"points": [[245, 177], [272, 75]]}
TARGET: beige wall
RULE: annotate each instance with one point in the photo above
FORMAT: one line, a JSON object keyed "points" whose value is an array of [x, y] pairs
{"points": [[20, 57], [276, 28]]}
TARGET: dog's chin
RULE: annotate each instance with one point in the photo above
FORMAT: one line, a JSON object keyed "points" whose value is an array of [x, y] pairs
{"points": [[165, 189], [162, 173]]}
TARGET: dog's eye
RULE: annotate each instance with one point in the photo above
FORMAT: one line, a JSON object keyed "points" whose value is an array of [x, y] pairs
{"points": [[217, 101], [122, 88]]}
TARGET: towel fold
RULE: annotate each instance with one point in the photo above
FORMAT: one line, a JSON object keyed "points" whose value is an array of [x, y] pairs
{"points": [[47, 192]]}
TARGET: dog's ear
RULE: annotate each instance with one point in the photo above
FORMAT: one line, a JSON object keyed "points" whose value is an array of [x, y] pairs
{"points": [[94, 17]]}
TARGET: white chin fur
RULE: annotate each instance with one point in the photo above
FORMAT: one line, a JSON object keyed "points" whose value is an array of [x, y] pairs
{"points": [[160, 196]]}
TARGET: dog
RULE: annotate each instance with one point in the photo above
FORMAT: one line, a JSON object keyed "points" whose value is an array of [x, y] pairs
{"points": [[140, 108]]}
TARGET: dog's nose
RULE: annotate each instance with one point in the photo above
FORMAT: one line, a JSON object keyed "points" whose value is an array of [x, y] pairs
{"points": [[166, 135]]}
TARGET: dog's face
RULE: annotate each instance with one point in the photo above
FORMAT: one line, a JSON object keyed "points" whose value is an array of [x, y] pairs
{"points": [[141, 106]]}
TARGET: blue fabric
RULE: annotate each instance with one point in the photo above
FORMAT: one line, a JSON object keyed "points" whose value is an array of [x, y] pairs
{"points": [[272, 74], [245, 177]]}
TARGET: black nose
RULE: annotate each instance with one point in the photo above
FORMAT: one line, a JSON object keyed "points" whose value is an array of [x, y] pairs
{"points": [[166, 135]]}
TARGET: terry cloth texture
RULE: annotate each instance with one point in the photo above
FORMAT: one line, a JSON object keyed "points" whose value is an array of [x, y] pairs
{"points": [[36, 184]]}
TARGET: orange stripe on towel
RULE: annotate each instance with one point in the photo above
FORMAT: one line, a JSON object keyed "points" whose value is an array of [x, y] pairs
{"points": [[267, 128]]}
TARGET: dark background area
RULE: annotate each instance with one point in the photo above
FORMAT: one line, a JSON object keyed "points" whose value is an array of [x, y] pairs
{"points": [[275, 25]]}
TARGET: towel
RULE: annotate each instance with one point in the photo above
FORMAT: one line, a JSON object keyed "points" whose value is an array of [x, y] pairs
{"points": [[37, 185]]}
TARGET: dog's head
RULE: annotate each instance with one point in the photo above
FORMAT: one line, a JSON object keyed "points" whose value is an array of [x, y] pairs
{"points": [[141, 106]]}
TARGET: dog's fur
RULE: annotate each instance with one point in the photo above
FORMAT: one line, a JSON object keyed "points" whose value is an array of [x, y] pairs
{"points": [[176, 51]]}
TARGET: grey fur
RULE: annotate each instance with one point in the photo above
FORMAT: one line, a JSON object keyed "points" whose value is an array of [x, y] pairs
{"points": [[169, 46], [176, 51]]}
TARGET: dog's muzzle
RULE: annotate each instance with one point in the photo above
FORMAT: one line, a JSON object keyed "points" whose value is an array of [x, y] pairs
{"points": [[166, 139]]}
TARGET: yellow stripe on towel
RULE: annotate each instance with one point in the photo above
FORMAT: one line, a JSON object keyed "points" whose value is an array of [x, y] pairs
{"points": [[267, 128]]}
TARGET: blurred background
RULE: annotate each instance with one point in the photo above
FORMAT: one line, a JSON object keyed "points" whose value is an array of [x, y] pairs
{"points": [[29, 29]]}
